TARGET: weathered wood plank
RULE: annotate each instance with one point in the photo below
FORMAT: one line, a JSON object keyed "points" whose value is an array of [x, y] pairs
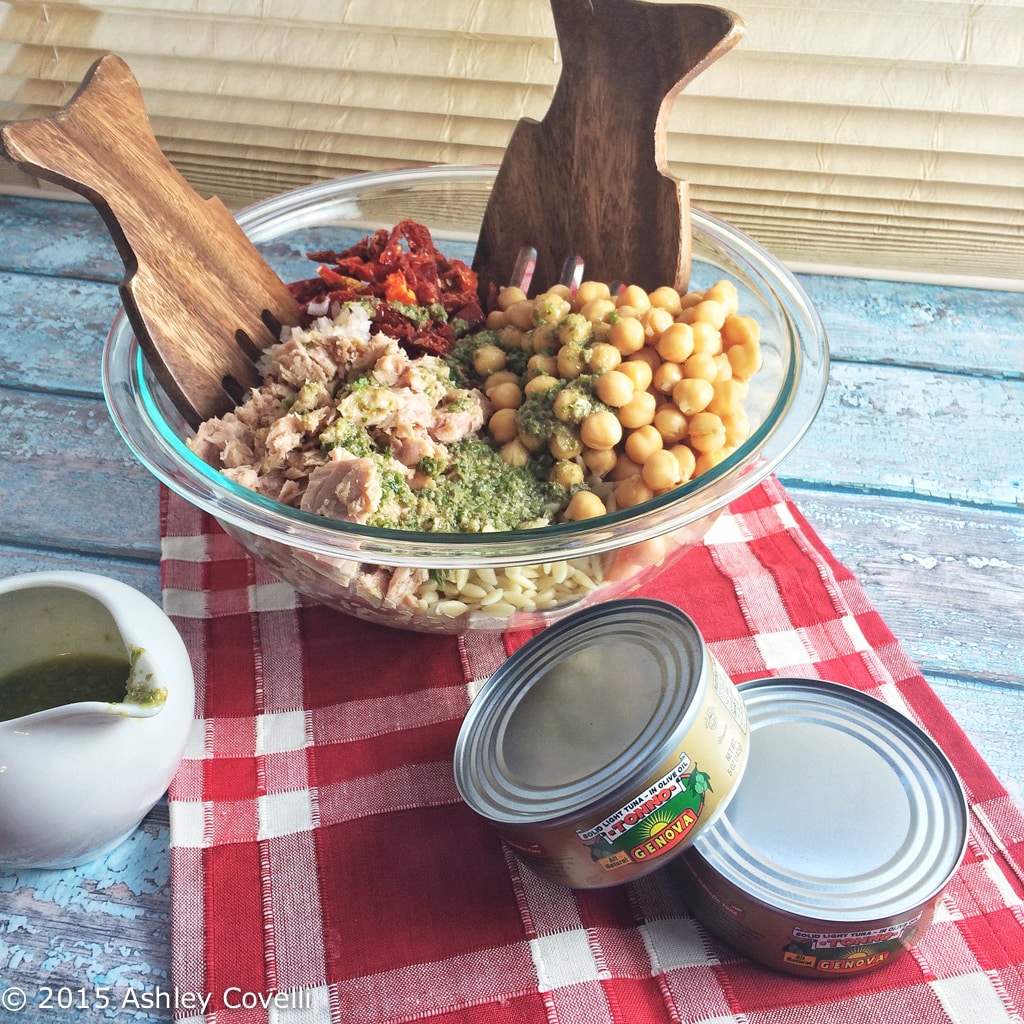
{"points": [[947, 580], [143, 574], [55, 238], [991, 719], [889, 429], [968, 330], [54, 332], [68, 481], [107, 923]]}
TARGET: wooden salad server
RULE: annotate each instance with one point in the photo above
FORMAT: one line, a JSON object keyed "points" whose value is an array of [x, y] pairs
{"points": [[590, 181], [201, 299]]}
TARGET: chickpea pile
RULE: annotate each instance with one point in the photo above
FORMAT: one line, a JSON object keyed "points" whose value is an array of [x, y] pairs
{"points": [[646, 389]]}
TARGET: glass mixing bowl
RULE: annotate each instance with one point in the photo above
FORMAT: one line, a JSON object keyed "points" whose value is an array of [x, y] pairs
{"points": [[451, 583]]}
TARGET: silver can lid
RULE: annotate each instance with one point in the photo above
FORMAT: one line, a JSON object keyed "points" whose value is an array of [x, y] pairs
{"points": [[848, 811], [581, 713]]}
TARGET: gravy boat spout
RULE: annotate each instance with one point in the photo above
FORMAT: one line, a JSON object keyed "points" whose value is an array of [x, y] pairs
{"points": [[86, 748]]}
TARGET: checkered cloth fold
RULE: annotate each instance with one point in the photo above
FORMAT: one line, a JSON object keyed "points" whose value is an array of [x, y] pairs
{"points": [[325, 870]]}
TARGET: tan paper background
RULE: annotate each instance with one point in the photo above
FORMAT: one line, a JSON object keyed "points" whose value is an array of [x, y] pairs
{"points": [[880, 134]]}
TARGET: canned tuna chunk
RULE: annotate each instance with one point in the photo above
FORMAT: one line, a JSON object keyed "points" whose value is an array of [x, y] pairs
{"points": [[605, 745], [832, 857]]}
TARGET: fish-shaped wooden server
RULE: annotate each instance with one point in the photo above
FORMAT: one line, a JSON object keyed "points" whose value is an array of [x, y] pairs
{"points": [[201, 299], [590, 182]]}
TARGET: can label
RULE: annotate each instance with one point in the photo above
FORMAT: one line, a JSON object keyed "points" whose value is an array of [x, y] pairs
{"points": [[848, 952], [653, 822]]}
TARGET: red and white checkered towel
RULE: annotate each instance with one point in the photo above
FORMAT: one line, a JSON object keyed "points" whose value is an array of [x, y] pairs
{"points": [[325, 870]]}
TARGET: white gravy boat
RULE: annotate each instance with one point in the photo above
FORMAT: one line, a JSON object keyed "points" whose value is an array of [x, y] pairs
{"points": [[76, 780]]}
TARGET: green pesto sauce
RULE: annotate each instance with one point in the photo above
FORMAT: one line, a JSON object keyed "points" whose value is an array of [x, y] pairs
{"points": [[536, 415], [421, 314], [349, 435], [70, 678], [53, 682], [475, 491], [460, 358]]}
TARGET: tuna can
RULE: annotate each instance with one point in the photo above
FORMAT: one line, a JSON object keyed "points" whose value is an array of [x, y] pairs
{"points": [[605, 744], [834, 853]]}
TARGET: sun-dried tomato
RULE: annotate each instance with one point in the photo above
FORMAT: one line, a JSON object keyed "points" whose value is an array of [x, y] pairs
{"points": [[399, 266]]}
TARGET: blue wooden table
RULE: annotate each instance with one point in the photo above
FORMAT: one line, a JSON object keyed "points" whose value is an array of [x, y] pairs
{"points": [[913, 474]]}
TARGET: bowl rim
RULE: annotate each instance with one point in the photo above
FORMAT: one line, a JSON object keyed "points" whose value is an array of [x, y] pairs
{"points": [[136, 413]]}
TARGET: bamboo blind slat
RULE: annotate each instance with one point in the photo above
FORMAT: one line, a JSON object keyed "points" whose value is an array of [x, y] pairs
{"points": [[878, 134]]}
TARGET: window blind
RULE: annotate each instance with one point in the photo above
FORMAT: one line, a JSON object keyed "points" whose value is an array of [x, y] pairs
{"points": [[881, 136]]}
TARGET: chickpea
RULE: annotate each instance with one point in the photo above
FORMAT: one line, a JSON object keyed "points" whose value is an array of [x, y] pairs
{"points": [[666, 377], [627, 335], [635, 296], [692, 394], [676, 343], [689, 299], [499, 377], [638, 411], [574, 329], [511, 338], [539, 384], [520, 314], [506, 396], [532, 442], [502, 425], [666, 297], [656, 321], [550, 308], [590, 290], [708, 311], [687, 461], [708, 460], [706, 433], [740, 330], [565, 442], [510, 296], [727, 399], [642, 442], [597, 309], [614, 388], [745, 359], [603, 357], [737, 428], [495, 320], [724, 367], [661, 470], [671, 424], [601, 430], [624, 468], [570, 362], [515, 453], [567, 405], [584, 505], [633, 491], [539, 364], [639, 372], [649, 355], [724, 291], [562, 291], [600, 463], [702, 365], [599, 332], [544, 340], [566, 473], [706, 338]]}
